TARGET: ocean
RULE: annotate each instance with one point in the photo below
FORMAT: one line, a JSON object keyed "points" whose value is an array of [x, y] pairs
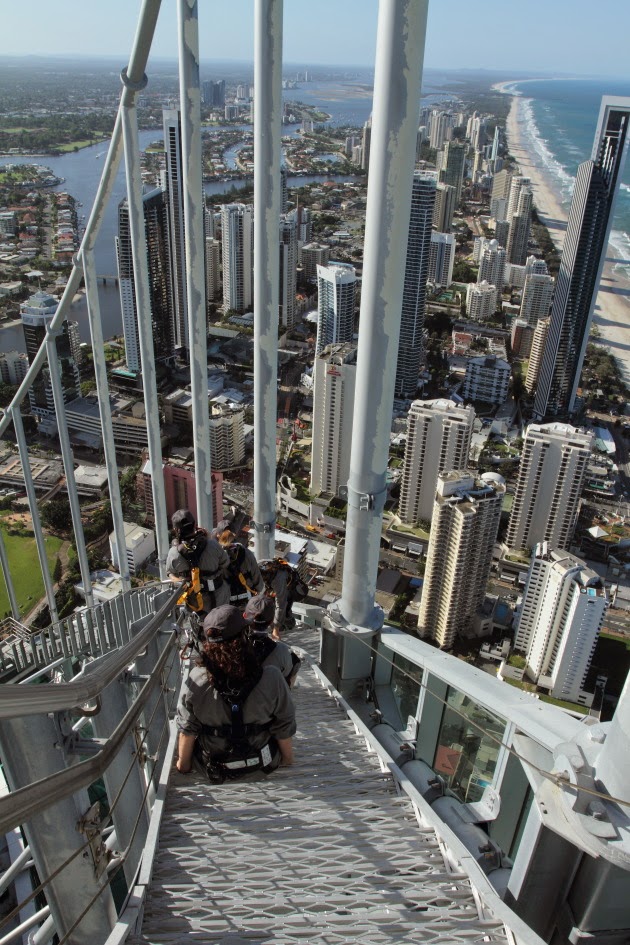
{"points": [[560, 122]]}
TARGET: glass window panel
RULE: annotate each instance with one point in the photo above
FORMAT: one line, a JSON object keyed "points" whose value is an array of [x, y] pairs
{"points": [[406, 690], [466, 755]]}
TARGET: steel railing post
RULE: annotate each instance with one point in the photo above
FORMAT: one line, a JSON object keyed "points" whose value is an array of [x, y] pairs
{"points": [[398, 71], [194, 205], [267, 198], [68, 465], [30, 752], [143, 311]]}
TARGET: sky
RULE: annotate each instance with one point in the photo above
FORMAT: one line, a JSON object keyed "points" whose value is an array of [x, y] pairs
{"points": [[552, 36]]}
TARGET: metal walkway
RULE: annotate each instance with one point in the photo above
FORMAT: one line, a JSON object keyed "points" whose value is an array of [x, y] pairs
{"points": [[326, 851]]}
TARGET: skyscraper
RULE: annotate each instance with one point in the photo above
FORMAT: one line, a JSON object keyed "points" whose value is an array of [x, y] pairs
{"points": [[175, 213], [288, 270], [536, 354], [445, 202], [160, 272], [336, 285], [365, 144], [441, 258], [464, 528], [213, 268], [333, 405], [453, 167], [563, 608], [438, 438], [492, 261], [537, 297], [36, 313], [415, 283], [553, 464], [481, 300], [518, 216], [237, 238], [588, 228]]}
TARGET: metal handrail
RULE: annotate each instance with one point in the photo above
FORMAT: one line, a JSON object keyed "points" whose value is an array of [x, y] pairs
{"points": [[19, 806], [55, 697]]}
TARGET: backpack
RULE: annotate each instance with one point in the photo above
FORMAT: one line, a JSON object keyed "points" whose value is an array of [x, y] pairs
{"points": [[298, 589], [240, 758]]}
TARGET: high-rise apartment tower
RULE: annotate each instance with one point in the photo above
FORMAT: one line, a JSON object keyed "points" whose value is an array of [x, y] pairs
{"points": [[438, 438], [553, 464], [590, 220], [415, 283]]}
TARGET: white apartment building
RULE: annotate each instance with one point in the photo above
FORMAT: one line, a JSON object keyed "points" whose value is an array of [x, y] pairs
{"points": [[562, 612], [519, 212], [227, 437], [438, 438], [464, 528], [441, 259], [336, 284], [487, 379], [553, 465], [139, 545], [537, 297], [536, 354], [13, 367], [481, 300], [492, 259], [333, 405], [237, 237]]}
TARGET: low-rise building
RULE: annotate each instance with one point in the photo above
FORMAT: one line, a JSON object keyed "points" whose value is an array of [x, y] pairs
{"points": [[139, 545]]}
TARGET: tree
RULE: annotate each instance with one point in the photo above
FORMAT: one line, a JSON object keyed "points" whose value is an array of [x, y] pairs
{"points": [[55, 514]]}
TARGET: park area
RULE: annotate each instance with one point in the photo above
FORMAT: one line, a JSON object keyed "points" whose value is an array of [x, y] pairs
{"points": [[24, 563]]}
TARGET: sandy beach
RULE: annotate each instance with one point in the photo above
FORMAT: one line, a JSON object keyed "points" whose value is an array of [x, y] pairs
{"points": [[612, 309]]}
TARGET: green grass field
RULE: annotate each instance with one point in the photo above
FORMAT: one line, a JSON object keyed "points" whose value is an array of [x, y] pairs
{"points": [[25, 570]]}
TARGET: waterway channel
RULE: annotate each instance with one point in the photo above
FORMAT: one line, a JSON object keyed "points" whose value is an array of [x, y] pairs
{"points": [[80, 172]]}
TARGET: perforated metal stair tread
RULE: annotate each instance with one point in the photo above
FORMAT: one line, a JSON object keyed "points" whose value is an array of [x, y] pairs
{"points": [[323, 852]]}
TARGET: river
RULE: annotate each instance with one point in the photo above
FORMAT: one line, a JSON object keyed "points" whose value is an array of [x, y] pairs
{"points": [[81, 172]]}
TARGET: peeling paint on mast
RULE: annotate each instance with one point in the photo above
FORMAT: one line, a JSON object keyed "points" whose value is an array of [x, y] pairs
{"points": [[190, 106], [267, 149], [399, 60]]}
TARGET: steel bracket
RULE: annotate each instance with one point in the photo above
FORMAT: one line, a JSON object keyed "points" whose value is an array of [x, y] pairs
{"points": [[90, 826]]}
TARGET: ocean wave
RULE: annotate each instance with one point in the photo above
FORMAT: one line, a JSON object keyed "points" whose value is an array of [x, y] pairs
{"points": [[556, 171], [620, 243]]}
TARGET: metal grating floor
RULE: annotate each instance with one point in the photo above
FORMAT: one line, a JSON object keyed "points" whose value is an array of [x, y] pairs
{"points": [[323, 852]]}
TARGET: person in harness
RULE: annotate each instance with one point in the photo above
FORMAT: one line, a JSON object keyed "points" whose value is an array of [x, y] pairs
{"points": [[201, 560], [243, 573], [285, 586], [235, 716], [259, 612]]}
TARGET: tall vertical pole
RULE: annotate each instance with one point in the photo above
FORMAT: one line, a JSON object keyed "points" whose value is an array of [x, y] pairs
{"points": [[105, 410], [32, 504], [68, 465], [6, 571], [267, 136], [143, 310], [399, 59], [194, 204]]}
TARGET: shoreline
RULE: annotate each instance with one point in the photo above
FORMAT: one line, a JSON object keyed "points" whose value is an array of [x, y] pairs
{"points": [[612, 306]]}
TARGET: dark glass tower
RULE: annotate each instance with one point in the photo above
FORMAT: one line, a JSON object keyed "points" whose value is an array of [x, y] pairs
{"points": [[415, 286], [588, 228]]}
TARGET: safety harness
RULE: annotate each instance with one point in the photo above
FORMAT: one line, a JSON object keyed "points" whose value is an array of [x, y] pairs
{"points": [[192, 595], [298, 589], [240, 758], [240, 590]]}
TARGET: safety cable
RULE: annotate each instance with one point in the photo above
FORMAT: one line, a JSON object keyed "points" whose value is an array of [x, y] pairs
{"points": [[557, 779]]}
